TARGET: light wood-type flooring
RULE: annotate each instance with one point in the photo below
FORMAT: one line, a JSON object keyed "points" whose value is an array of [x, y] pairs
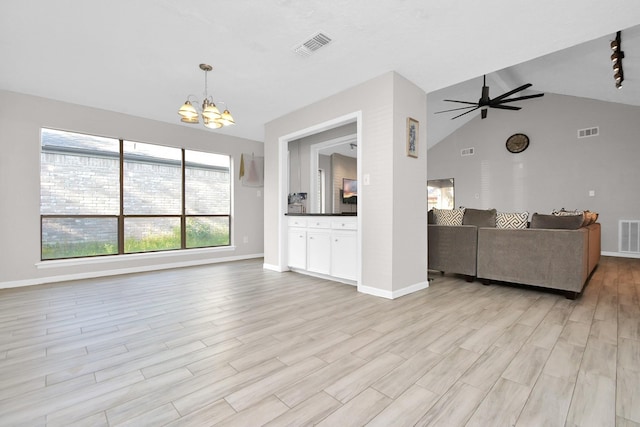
{"points": [[235, 345]]}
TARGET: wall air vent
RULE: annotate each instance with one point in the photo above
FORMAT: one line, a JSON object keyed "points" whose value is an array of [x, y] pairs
{"points": [[584, 133], [467, 151], [313, 43], [629, 236]]}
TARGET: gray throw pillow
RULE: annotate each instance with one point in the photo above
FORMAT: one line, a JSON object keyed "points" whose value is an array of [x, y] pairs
{"points": [[568, 222], [479, 217]]}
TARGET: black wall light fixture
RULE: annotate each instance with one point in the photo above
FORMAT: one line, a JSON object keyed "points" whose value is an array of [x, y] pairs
{"points": [[616, 59]]}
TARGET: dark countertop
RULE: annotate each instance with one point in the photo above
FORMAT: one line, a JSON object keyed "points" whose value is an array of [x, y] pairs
{"points": [[323, 214]]}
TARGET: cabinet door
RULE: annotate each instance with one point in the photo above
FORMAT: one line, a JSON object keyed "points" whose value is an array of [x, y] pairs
{"points": [[297, 248], [344, 255], [319, 251]]}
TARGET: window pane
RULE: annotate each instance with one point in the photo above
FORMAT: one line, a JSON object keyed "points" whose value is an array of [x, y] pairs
{"points": [[79, 237], [207, 231], [207, 183], [151, 234], [79, 174], [152, 179], [440, 193]]}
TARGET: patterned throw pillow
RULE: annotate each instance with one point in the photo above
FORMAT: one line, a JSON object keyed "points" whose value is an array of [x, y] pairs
{"points": [[512, 220], [564, 212], [448, 216], [591, 216]]}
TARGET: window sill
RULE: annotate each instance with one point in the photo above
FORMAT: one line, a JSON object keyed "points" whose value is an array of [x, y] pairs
{"points": [[111, 259]]}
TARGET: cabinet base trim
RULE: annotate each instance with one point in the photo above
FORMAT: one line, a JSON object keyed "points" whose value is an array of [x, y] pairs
{"points": [[393, 294], [324, 276]]}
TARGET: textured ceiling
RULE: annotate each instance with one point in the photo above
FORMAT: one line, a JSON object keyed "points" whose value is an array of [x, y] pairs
{"points": [[141, 57]]}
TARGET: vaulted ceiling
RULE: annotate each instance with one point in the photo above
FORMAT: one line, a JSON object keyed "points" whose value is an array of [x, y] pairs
{"points": [[141, 57]]}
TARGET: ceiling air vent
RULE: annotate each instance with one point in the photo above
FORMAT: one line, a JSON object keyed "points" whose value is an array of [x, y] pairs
{"points": [[467, 151], [312, 44], [584, 133]]}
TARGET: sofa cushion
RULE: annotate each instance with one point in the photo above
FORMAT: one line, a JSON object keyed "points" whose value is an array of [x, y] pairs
{"points": [[479, 217], [448, 216], [516, 220], [566, 222]]}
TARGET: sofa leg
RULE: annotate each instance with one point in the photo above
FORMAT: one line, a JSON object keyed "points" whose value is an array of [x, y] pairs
{"points": [[485, 282], [468, 278], [571, 295]]}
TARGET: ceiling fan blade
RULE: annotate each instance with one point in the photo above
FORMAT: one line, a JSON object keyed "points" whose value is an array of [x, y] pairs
{"points": [[455, 109], [461, 102], [520, 98], [511, 92], [505, 107], [466, 112], [484, 113]]}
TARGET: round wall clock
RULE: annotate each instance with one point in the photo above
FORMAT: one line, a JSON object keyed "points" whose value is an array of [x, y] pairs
{"points": [[517, 143]]}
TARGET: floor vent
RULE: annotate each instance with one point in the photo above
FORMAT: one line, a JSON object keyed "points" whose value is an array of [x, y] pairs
{"points": [[629, 236], [467, 151], [313, 43], [587, 132]]}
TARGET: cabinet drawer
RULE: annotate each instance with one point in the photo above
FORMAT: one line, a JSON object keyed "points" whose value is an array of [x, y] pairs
{"points": [[344, 225], [318, 223], [297, 222]]}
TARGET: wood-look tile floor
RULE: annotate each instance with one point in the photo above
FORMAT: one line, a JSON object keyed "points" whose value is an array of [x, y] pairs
{"points": [[234, 345]]}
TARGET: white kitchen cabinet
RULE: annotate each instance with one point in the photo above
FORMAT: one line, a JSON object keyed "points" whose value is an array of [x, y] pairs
{"points": [[324, 245], [344, 254], [319, 251], [298, 248]]}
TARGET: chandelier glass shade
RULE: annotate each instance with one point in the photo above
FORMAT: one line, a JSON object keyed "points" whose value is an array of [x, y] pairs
{"points": [[191, 110]]}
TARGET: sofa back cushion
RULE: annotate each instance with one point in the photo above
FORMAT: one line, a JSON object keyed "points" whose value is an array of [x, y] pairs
{"points": [[479, 217], [565, 222], [448, 216], [514, 220]]}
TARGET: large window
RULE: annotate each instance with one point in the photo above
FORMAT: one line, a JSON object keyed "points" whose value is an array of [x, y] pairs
{"points": [[103, 196]]}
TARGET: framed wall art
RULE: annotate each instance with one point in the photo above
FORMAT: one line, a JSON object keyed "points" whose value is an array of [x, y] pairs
{"points": [[413, 128]]}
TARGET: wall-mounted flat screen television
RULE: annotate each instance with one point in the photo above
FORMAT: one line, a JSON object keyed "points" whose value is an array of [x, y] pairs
{"points": [[349, 191]]}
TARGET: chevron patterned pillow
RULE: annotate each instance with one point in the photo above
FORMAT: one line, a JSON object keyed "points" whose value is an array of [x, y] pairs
{"points": [[448, 216], [512, 220]]}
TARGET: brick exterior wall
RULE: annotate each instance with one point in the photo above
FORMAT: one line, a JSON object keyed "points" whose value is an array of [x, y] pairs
{"points": [[149, 189]]}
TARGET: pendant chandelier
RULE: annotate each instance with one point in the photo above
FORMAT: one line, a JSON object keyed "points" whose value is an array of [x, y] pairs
{"points": [[211, 116]]}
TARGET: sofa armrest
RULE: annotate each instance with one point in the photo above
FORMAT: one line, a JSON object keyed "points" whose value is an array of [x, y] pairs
{"points": [[594, 245], [452, 249], [556, 259]]}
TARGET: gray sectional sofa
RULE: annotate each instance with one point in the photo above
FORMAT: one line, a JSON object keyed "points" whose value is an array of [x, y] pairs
{"points": [[554, 258]]}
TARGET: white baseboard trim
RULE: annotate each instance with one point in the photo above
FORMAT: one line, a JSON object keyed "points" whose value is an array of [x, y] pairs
{"points": [[274, 267], [620, 254], [393, 294], [117, 271]]}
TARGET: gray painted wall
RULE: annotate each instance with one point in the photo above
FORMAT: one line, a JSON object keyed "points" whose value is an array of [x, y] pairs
{"points": [[22, 117], [557, 170]]}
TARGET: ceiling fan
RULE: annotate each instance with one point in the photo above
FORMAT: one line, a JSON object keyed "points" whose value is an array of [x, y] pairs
{"points": [[485, 102]]}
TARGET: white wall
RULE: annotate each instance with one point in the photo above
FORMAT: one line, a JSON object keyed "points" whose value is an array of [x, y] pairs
{"points": [[22, 117], [557, 170], [384, 104]]}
